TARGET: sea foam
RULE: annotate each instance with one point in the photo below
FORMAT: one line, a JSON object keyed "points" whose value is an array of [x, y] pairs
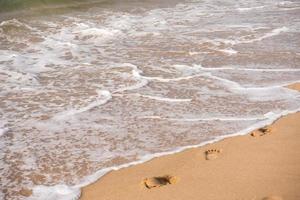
{"points": [[84, 93]]}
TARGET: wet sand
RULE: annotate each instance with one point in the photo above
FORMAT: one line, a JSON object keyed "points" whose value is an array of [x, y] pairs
{"points": [[263, 165]]}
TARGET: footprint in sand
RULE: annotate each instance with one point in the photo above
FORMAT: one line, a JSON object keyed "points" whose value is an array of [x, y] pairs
{"points": [[272, 198], [212, 154], [262, 131], [159, 181]]}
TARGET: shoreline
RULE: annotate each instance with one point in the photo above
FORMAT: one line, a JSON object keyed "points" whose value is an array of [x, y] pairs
{"points": [[93, 190], [95, 87]]}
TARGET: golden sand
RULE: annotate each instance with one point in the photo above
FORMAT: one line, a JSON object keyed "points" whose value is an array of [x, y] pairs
{"points": [[264, 164], [295, 86]]}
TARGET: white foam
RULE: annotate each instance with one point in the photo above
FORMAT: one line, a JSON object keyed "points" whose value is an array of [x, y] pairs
{"points": [[187, 70], [287, 3], [276, 92], [214, 119], [136, 74], [98, 32], [254, 93], [160, 79], [263, 117], [274, 32], [247, 69], [249, 8], [63, 192], [192, 53], [228, 51], [57, 192], [3, 129], [71, 53], [242, 40], [140, 84], [163, 98], [103, 97]]}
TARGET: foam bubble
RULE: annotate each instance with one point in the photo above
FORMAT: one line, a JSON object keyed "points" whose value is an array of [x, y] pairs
{"points": [[57, 192]]}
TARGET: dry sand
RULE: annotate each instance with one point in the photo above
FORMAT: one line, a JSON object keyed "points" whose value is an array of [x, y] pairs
{"points": [[295, 86], [239, 168]]}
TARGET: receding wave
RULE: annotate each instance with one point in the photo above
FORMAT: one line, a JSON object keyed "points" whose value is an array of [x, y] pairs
{"points": [[104, 86]]}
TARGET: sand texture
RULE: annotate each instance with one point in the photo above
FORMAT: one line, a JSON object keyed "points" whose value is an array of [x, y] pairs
{"points": [[295, 86], [264, 164]]}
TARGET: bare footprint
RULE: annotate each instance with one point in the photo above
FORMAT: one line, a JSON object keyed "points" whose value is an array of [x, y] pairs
{"points": [[261, 131], [212, 154], [272, 198], [159, 181]]}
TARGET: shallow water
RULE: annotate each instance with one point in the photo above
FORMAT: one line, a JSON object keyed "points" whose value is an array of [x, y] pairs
{"points": [[89, 88]]}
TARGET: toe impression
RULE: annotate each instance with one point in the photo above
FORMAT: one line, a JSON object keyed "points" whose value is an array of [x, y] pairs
{"points": [[212, 154]]}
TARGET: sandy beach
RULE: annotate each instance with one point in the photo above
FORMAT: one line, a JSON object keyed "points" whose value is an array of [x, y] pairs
{"points": [[133, 99], [264, 164]]}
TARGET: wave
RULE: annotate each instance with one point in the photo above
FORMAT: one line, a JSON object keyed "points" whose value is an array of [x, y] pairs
{"points": [[69, 56], [208, 118], [245, 40], [103, 97], [247, 69], [65, 192], [157, 98], [276, 92]]}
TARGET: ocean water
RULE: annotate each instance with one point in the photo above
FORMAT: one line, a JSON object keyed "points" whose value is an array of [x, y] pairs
{"points": [[103, 86]]}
